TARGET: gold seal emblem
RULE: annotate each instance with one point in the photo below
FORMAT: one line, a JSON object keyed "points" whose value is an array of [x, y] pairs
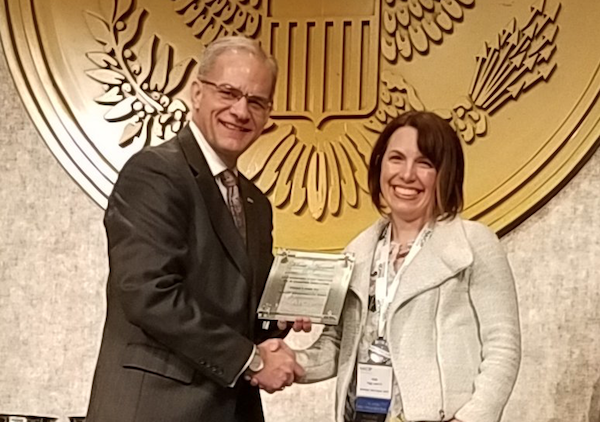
{"points": [[104, 78]]}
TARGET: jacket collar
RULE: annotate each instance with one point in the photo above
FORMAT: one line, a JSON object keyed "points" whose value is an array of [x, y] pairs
{"points": [[218, 212], [445, 254], [363, 248]]}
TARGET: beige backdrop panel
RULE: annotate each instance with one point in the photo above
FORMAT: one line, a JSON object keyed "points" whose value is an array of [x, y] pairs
{"points": [[53, 268]]}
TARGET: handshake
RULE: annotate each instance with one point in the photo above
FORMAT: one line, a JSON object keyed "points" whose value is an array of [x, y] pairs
{"points": [[280, 368]]}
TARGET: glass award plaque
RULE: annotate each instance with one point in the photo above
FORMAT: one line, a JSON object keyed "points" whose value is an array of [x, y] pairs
{"points": [[306, 284]]}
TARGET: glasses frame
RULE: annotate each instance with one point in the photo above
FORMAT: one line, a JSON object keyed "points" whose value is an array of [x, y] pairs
{"points": [[264, 104]]}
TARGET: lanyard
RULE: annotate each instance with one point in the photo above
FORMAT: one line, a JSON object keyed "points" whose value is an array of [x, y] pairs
{"points": [[384, 295]]}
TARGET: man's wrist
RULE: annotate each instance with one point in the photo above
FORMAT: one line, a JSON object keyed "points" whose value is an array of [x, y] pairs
{"points": [[256, 363]]}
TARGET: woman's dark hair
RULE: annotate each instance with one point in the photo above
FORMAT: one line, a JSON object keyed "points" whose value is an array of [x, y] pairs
{"points": [[439, 143]]}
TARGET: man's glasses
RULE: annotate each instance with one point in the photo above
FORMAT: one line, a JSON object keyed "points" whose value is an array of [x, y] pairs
{"points": [[231, 95]]}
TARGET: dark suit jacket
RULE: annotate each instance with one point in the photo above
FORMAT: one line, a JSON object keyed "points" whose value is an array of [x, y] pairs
{"points": [[182, 293]]}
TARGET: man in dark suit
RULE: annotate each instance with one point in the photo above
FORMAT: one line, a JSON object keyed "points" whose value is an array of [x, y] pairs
{"points": [[189, 255]]}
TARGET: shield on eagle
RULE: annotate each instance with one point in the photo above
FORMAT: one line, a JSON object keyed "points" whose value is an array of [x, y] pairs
{"points": [[328, 63]]}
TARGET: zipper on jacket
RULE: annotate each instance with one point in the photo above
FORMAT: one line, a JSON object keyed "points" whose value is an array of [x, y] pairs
{"points": [[363, 318], [437, 355], [388, 324], [402, 417]]}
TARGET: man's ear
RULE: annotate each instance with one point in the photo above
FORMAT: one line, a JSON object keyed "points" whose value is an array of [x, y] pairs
{"points": [[196, 93]]}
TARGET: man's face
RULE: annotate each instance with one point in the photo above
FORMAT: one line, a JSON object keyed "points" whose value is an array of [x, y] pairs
{"points": [[229, 125]]}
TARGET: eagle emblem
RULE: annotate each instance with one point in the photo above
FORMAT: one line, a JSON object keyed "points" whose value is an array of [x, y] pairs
{"points": [[341, 80]]}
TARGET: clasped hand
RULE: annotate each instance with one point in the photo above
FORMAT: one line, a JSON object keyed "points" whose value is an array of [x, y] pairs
{"points": [[280, 367]]}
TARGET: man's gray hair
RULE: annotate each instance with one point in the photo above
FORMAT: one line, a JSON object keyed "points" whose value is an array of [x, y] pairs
{"points": [[225, 44]]}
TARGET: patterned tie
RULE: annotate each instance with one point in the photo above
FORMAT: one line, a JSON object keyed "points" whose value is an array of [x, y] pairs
{"points": [[234, 201]]}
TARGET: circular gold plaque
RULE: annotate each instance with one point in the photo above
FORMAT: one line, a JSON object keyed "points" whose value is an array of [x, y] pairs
{"points": [[518, 81]]}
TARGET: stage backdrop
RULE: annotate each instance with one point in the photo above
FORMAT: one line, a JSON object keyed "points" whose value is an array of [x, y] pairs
{"points": [[518, 80]]}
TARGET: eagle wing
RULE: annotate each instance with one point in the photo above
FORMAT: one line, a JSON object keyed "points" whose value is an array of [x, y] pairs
{"points": [[211, 19], [410, 25]]}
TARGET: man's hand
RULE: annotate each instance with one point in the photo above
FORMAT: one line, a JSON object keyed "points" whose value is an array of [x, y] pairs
{"points": [[301, 324], [280, 368]]}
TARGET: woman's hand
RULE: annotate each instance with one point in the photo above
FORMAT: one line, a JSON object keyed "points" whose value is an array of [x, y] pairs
{"points": [[301, 324]]}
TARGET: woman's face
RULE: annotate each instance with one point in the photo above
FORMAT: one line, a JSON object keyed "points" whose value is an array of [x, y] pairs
{"points": [[408, 178]]}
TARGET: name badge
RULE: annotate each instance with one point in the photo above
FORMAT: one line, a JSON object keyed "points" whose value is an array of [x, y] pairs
{"points": [[373, 388]]}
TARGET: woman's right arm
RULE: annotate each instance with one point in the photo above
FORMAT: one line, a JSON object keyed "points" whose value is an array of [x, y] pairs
{"points": [[320, 360]]}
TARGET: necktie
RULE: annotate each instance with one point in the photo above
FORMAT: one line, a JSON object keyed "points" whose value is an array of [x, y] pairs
{"points": [[234, 201]]}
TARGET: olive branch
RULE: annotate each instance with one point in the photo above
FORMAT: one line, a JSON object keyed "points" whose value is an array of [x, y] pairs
{"points": [[138, 85]]}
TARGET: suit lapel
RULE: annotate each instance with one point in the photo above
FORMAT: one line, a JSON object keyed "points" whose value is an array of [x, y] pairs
{"points": [[218, 212], [443, 256], [252, 236]]}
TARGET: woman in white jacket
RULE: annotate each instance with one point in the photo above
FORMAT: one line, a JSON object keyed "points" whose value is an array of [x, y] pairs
{"points": [[430, 326]]}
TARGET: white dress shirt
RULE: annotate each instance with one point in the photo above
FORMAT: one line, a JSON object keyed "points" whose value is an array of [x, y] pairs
{"points": [[215, 163]]}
